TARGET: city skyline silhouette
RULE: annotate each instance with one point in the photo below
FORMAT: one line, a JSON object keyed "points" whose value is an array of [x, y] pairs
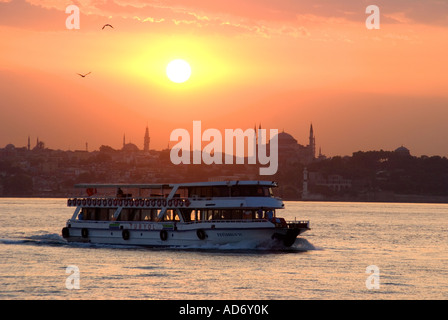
{"points": [[279, 63]]}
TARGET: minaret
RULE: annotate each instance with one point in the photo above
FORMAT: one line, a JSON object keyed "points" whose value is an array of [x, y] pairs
{"points": [[312, 143], [146, 140], [255, 140], [29, 143], [124, 140], [256, 134]]}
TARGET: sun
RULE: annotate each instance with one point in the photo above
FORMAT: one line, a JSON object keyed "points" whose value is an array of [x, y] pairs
{"points": [[178, 71]]}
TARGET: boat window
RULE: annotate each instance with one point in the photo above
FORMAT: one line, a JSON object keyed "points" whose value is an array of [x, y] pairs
{"points": [[248, 214], [187, 214], [213, 214], [196, 215], [84, 214], [102, 214], [229, 214], [221, 191], [148, 215], [110, 214], [226, 214], [208, 192], [145, 215], [222, 214], [171, 215], [134, 215], [124, 215], [98, 214], [88, 214], [251, 191], [137, 215], [168, 215]]}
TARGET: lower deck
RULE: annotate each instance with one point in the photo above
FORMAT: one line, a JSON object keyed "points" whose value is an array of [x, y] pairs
{"points": [[172, 233]]}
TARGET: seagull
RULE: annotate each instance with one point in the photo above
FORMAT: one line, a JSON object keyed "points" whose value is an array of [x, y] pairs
{"points": [[84, 75], [107, 25]]}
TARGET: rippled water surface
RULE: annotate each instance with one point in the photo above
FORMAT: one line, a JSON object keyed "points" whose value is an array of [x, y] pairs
{"points": [[408, 243]]}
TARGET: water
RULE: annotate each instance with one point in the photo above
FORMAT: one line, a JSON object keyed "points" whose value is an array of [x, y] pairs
{"points": [[407, 242]]}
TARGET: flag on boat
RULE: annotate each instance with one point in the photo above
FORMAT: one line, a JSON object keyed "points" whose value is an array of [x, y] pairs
{"points": [[91, 191]]}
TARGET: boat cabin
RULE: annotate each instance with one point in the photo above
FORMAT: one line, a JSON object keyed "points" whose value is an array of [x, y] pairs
{"points": [[212, 201]]}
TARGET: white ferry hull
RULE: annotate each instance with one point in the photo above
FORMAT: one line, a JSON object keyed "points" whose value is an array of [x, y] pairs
{"points": [[180, 235]]}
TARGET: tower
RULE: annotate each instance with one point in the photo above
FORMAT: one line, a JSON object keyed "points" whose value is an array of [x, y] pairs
{"points": [[124, 140], [256, 134], [312, 143], [146, 140], [29, 143]]}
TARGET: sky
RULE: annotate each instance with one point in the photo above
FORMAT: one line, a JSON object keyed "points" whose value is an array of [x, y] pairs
{"points": [[283, 64]]}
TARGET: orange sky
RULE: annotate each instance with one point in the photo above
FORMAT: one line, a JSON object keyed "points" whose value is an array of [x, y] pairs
{"points": [[284, 64]]}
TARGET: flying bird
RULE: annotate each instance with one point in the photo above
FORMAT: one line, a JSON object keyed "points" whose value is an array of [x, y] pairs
{"points": [[84, 75], [107, 25]]}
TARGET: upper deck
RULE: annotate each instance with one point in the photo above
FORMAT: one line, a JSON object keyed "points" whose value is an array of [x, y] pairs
{"points": [[145, 186], [197, 194]]}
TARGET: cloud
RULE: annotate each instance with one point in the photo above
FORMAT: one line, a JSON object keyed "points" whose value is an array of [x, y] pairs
{"points": [[417, 11], [19, 13], [265, 18]]}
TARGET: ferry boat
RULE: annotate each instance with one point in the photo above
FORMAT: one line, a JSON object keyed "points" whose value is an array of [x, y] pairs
{"points": [[180, 215]]}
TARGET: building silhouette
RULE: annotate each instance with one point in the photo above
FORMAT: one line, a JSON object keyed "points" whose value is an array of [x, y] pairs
{"points": [[131, 147], [289, 150], [146, 140], [402, 151], [312, 144]]}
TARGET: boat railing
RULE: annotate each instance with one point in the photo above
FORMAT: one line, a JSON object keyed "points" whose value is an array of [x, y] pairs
{"points": [[128, 202], [225, 221], [151, 202], [298, 224]]}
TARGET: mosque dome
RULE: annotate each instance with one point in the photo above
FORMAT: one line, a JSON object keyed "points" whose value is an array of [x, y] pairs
{"points": [[130, 147], [403, 151], [285, 139], [10, 146]]}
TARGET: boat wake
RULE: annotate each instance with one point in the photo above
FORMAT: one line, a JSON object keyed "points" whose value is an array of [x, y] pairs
{"points": [[300, 245], [54, 239], [50, 239]]}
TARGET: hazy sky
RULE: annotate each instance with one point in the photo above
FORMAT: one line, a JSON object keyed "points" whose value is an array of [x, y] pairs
{"points": [[282, 63]]}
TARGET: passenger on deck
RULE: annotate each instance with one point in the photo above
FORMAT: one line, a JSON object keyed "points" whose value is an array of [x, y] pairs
{"points": [[270, 215]]}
